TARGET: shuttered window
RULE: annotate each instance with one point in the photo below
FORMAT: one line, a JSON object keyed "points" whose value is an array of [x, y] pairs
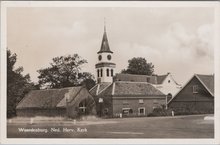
{"points": [[195, 89]]}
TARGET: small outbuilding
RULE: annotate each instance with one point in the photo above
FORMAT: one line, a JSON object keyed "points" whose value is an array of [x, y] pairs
{"points": [[196, 97], [70, 102]]}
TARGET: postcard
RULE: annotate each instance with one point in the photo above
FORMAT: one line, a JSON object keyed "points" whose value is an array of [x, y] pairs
{"points": [[110, 72]]}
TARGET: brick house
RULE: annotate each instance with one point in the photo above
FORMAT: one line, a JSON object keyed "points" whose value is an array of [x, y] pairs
{"points": [[197, 96], [165, 83], [127, 98], [70, 102]]}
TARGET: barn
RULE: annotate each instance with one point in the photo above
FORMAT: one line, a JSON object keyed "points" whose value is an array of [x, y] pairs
{"points": [[196, 97], [67, 102], [127, 98]]}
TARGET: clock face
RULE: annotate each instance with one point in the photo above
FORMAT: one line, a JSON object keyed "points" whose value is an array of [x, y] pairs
{"points": [[100, 57], [109, 57]]}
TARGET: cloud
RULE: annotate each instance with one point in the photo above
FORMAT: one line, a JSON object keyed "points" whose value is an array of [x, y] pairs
{"points": [[178, 40], [170, 42], [204, 41]]}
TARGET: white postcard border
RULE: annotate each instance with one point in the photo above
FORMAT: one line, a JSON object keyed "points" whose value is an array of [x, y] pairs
{"points": [[6, 4]]}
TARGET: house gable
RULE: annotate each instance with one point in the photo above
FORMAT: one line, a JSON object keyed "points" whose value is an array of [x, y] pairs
{"points": [[186, 94]]}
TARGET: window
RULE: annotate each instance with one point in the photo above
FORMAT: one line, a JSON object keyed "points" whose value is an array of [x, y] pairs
{"points": [[195, 88], [112, 72], [141, 101], [106, 111], [100, 57], [98, 72], [109, 57], [82, 107], [141, 111], [125, 102], [127, 111], [148, 80], [107, 72], [168, 81], [155, 102], [101, 73]]}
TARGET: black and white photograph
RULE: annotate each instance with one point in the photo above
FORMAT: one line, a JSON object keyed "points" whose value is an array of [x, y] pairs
{"points": [[121, 70]]}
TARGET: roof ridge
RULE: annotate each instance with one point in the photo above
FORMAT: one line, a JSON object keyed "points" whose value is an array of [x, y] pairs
{"points": [[132, 82], [195, 75], [210, 75], [74, 95], [157, 89], [57, 88], [105, 88]]}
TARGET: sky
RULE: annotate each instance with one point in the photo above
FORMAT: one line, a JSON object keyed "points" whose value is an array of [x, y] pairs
{"points": [[176, 40]]}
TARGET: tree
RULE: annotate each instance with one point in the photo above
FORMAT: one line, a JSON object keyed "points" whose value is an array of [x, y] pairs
{"points": [[17, 84], [139, 65], [87, 80], [64, 71]]}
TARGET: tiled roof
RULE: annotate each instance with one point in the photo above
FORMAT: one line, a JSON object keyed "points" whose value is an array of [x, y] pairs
{"points": [[208, 82], [135, 78], [105, 46], [93, 90], [46, 98], [100, 87], [121, 88], [135, 88]]}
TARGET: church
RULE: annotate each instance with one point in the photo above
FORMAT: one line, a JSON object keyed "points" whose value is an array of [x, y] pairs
{"points": [[125, 94], [114, 95]]}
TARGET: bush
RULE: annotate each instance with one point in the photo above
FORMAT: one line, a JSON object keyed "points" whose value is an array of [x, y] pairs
{"points": [[191, 111], [160, 111]]}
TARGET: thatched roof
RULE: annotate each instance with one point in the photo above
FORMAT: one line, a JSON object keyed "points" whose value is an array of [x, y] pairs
{"points": [[48, 98]]}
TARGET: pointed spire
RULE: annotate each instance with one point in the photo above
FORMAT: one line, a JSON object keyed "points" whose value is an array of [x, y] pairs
{"points": [[104, 25], [105, 46]]}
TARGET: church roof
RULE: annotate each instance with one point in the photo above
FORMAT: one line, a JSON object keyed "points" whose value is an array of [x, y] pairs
{"points": [[105, 46]]}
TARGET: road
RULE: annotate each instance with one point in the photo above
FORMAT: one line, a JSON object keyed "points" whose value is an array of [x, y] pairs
{"points": [[146, 127]]}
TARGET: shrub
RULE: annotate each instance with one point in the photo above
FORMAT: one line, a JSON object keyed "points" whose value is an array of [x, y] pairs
{"points": [[160, 111]]}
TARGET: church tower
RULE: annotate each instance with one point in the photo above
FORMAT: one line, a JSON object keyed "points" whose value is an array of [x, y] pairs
{"points": [[105, 68]]}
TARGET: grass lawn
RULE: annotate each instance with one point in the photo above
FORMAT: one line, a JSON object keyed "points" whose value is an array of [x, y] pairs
{"points": [[146, 127]]}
